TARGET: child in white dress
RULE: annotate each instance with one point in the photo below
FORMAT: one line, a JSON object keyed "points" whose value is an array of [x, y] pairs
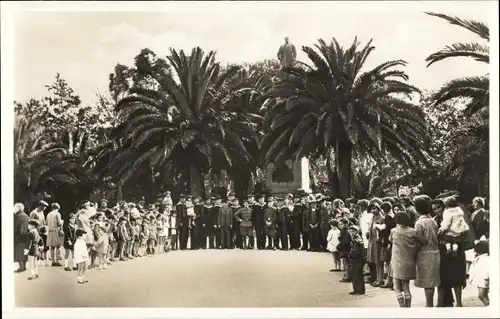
{"points": [[333, 240], [479, 272], [453, 224], [190, 210], [81, 255]]}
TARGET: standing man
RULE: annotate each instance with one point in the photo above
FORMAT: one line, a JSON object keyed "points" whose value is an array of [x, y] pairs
{"points": [[324, 223], [365, 221], [295, 222], [258, 222], [244, 218], [214, 215], [251, 237], [196, 225], [313, 219], [305, 226], [183, 222], [238, 243], [283, 219], [38, 213], [103, 206], [225, 224], [207, 224], [287, 54], [270, 223]]}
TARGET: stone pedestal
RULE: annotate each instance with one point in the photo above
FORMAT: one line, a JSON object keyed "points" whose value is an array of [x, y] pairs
{"points": [[288, 178]]}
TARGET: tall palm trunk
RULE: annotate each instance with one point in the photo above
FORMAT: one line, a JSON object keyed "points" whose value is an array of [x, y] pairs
{"points": [[343, 158], [196, 181]]}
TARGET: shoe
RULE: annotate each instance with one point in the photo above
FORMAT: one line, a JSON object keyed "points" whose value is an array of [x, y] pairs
{"points": [[67, 269], [375, 284], [332, 270], [368, 281], [31, 277], [20, 270], [386, 285], [82, 281], [345, 280], [356, 293], [36, 276], [75, 268]]}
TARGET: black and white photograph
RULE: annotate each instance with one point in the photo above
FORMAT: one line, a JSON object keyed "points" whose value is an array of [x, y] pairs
{"points": [[256, 155]]}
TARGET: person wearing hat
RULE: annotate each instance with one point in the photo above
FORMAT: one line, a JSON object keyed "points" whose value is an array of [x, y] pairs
{"points": [[214, 215], [103, 205], [311, 223], [270, 214], [225, 225], [293, 204], [251, 203], [478, 219], [374, 251], [283, 214], [204, 222], [55, 234], [390, 223], [244, 217], [356, 261], [183, 222], [196, 226], [258, 221], [304, 230], [237, 239], [38, 213], [324, 226]]}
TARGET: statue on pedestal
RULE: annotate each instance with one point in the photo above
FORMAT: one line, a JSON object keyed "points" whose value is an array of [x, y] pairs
{"points": [[287, 54]]}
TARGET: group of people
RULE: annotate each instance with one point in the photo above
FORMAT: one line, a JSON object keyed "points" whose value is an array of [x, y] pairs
{"points": [[390, 240]]}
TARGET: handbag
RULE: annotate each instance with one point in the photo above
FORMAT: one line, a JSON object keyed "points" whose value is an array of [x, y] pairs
{"points": [[61, 232]]}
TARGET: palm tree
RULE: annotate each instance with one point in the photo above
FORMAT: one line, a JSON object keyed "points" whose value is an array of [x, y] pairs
{"points": [[183, 125], [475, 89], [332, 104], [470, 157]]}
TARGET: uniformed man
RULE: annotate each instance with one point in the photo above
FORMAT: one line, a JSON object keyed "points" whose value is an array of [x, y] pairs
{"points": [[251, 237], [258, 222], [325, 221], [244, 217], [183, 222], [270, 223], [283, 220], [237, 241], [225, 225], [196, 224], [103, 205], [312, 221], [214, 214], [303, 220], [207, 229], [295, 222]]}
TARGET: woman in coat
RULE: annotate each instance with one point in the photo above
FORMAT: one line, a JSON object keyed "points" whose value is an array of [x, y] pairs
{"points": [[374, 252], [405, 244], [21, 220], [428, 258]]}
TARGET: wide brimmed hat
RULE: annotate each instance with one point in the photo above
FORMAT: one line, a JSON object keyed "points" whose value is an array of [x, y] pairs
{"points": [[319, 197], [311, 198], [337, 201], [43, 203]]}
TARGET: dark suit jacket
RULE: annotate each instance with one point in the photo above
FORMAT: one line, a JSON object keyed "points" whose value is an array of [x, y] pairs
{"points": [[311, 217], [225, 217], [258, 216], [181, 211]]}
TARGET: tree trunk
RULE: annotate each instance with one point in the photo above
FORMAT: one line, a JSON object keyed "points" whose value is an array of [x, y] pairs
{"points": [[479, 186], [343, 154], [119, 192], [196, 182]]}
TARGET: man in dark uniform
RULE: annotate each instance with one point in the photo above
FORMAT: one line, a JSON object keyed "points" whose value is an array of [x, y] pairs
{"points": [[251, 237], [305, 227], [244, 218], [324, 226], [238, 243], [270, 223], [295, 223], [258, 222], [207, 229], [312, 221], [183, 222], [196, 224], [283, 219], [214, 214], [225, 225]]}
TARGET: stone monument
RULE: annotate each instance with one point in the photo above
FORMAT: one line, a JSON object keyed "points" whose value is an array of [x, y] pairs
{"points": [[288, 177]]}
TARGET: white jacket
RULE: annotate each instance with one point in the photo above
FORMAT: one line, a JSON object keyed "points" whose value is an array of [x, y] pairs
{"points": [[365, 221]]}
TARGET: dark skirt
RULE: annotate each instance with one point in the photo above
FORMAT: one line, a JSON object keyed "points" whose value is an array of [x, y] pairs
{"points": [[19, 252], [246, 231], [453, 267]]}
